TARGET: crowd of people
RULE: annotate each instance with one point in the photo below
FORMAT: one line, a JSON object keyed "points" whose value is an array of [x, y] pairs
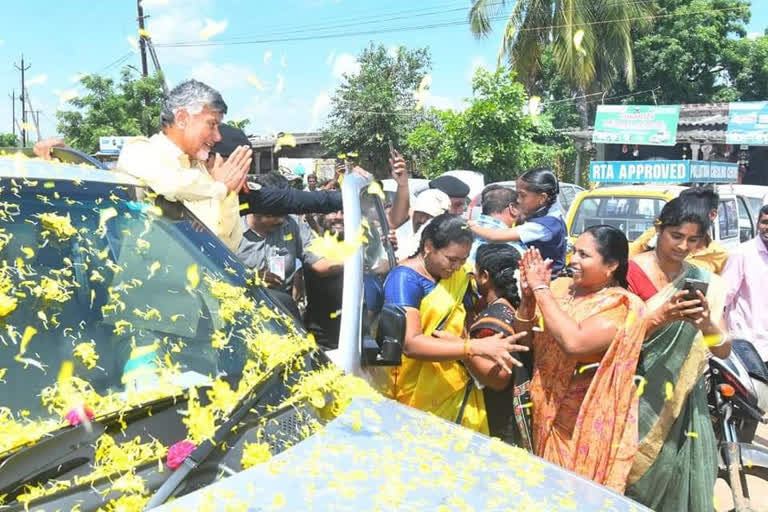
{"points": [[599, 369]]}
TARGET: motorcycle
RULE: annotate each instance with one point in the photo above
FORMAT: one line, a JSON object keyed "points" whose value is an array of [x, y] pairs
{"points": [[738, 401]]}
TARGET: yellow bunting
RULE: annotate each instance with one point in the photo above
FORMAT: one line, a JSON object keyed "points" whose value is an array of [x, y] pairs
{"points": [[336, 314], [288, 237], [2, 374], [692, 435], [244, 206], [143, 32], [341, 156], [28, 252], [352, 154]]}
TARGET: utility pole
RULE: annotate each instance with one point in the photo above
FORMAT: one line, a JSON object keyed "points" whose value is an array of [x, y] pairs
{"points": [[35, 114], [13, 112], [142, 39], [23, 111]]}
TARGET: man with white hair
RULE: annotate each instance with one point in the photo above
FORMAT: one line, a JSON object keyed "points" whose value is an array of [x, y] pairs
{"points": [[172, 162]]}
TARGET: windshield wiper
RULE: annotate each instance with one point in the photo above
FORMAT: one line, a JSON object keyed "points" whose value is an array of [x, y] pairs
{"points": [[198, 456], [63, 450]]}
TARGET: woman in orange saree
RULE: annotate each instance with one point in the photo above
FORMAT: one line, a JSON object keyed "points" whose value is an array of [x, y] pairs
{"points": [[583, 392]]}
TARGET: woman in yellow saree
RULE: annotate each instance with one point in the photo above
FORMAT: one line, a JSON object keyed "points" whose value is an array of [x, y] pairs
{"points": [[583, 393], [433, 288]]}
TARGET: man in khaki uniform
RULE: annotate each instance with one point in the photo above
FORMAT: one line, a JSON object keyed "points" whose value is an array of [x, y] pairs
{"points": [[172, 162]]}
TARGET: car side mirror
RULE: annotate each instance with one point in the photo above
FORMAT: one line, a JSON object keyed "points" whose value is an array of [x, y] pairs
{"points": [[387, 348]]}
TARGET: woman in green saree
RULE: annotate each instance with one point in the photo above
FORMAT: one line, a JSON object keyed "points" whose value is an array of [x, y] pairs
{"points": [[676, 464]]}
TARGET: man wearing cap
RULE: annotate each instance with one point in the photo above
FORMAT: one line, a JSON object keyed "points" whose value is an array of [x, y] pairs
{"points": [[500, 211], [454, 188], [268, 199], [428, 205]]}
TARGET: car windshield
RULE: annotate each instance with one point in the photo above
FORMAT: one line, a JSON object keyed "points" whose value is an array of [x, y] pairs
{"points": [[122, 300], [631, 214]]}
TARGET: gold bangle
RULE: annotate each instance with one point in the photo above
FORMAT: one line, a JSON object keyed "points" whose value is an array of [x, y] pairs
{"points": [[526, 320], [468, 349]]}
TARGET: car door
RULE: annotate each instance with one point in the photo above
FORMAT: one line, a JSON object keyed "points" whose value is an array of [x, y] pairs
{"points": [[747, 224], [727, 225]]}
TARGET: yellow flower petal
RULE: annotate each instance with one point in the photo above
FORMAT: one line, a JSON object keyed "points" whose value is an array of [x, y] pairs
{"points": [[255, 453], [193, 277], [153, 268]]}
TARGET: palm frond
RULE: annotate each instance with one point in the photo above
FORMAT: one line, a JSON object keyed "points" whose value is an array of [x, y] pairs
{"points": [[481, 14]]}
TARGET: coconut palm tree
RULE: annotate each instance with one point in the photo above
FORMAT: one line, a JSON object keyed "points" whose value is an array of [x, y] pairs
{"points": [[590, 40]]}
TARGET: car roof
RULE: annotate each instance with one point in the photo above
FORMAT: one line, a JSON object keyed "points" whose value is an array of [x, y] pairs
{"points": [[19, 166], [758, 191]]}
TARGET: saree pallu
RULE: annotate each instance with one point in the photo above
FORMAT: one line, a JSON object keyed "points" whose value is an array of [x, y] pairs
{"points": [[441, 388], [676, 464], [589, 425]]}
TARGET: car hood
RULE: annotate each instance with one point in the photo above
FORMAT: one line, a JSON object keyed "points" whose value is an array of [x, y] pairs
{"points": [[381, 455]]}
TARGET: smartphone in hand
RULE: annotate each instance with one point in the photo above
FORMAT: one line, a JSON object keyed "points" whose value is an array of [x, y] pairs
{"points": [[692, 286]]}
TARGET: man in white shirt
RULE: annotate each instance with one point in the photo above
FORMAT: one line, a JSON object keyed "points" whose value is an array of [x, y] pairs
{"points": [[172, 162], [428, 205]]}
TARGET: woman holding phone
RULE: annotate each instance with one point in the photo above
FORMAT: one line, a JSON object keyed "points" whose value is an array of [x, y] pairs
{"points": [[676, 464]]}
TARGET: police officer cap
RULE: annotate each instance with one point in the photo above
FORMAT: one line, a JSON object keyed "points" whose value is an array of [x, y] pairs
{"points": [[452, 186], [231, 137]]}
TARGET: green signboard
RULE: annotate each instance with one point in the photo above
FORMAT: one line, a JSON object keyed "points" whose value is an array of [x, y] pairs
{"points": [[645, 125]]}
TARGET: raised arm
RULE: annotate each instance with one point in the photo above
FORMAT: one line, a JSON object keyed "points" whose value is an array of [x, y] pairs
{"points": [[592, 336], [401, 206]]}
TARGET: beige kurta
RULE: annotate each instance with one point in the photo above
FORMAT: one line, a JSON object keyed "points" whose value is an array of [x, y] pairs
{"points": [[167, 170]]}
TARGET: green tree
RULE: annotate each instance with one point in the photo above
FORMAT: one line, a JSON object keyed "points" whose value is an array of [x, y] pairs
{"points": [[748, 69], [685, 55], [376, 105], [129, 107], [8, 140], [240, 125], [590, 40], [493, 135]]}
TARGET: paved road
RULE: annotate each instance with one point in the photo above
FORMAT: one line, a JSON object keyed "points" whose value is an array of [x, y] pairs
{"points": [[758, 489]]}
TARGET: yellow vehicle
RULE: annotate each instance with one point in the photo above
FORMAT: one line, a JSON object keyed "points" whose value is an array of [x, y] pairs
{"points": [[633, 209]]}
